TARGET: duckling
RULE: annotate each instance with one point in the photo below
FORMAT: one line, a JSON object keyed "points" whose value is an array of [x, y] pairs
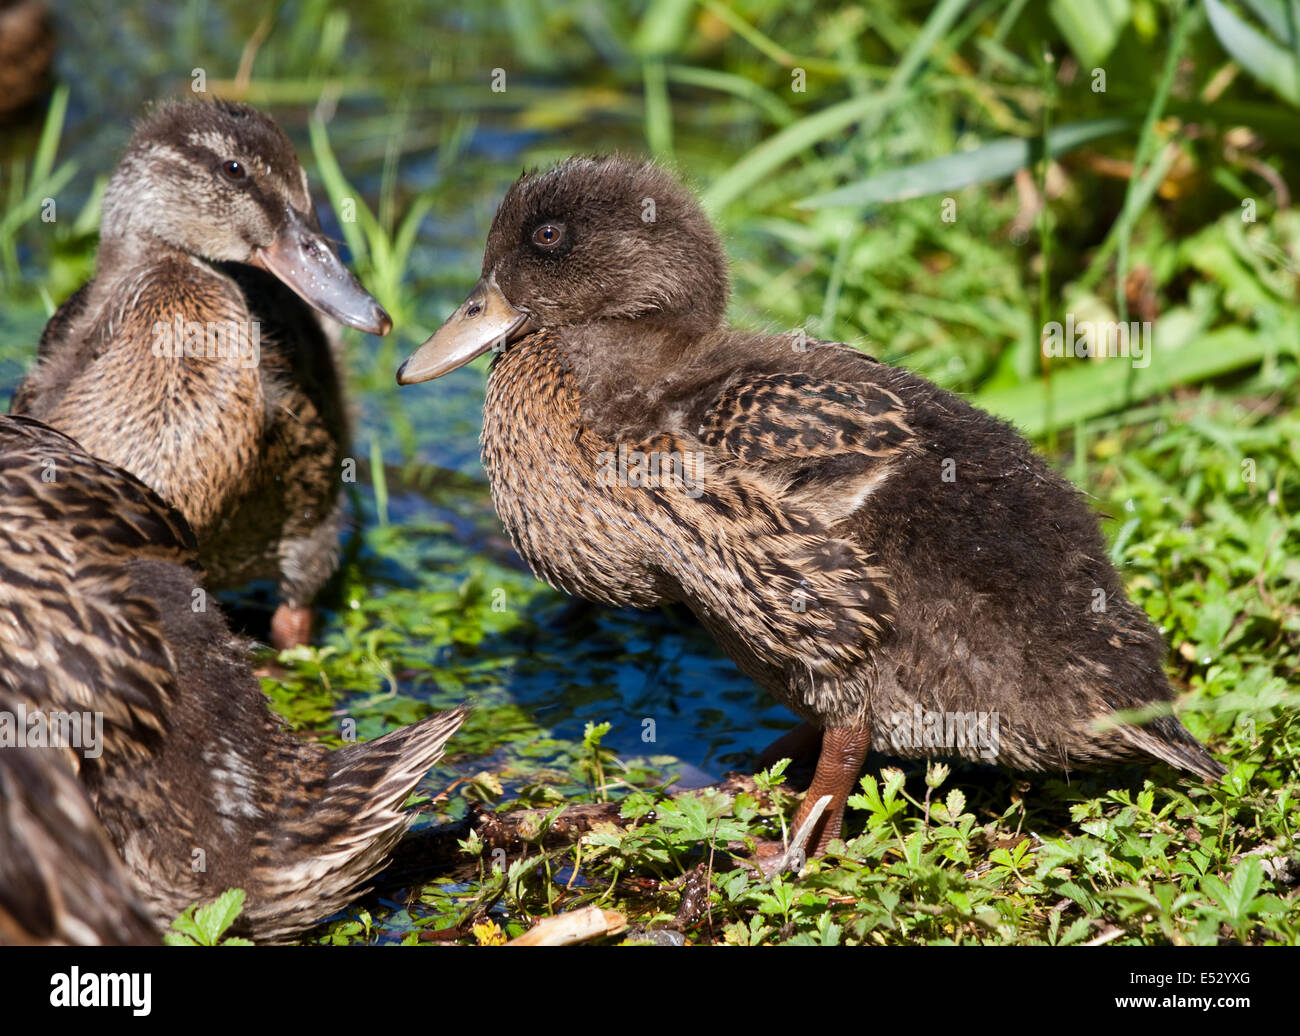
{"points": [[192, 778], [194, 358], [869, 548]]}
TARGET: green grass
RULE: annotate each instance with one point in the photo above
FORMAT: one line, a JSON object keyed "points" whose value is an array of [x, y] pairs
{"points": [[832, 201]]}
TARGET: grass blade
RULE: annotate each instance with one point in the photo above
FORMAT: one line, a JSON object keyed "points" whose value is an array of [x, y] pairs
{"points": [[990, 161], [1087, 390], [781, 147], [1266, 61]]}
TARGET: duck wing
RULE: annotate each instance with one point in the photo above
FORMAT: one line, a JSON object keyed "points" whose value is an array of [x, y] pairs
{"points": [[828, 442], [70, 625], [97, 584]]}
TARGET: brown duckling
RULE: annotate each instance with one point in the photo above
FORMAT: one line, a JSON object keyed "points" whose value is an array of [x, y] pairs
{"points": [[870, 548], [195, 781], [190, 361]]}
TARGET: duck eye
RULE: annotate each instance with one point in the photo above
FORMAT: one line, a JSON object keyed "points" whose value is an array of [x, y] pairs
{"points": [[548, 235], [234, 171]]}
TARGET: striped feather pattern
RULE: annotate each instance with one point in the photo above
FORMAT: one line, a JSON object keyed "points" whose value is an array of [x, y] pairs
{"points": [[199, 786]]}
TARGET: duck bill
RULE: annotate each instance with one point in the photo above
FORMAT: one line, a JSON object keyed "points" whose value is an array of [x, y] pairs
{"points": [[485, 320], [302, 258]]}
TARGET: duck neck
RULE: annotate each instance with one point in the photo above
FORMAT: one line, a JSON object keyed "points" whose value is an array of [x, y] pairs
{"points": [[542, 464], [608, 357], [130, 252]]}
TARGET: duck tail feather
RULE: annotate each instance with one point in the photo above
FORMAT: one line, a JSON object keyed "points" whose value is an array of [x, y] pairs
{"points": [[355, 823], [1169, 741]]}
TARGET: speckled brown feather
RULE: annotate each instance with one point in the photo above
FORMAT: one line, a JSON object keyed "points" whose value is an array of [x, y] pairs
{"points": [[797, 417], [190, 428], [101, 609], [768, 578], [61, 882], [70, 624]]}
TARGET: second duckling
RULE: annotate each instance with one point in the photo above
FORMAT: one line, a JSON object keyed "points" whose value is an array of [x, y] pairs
{"points": [[195, 360]]}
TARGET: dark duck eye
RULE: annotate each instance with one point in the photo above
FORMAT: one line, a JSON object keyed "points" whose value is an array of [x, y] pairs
{"points": [[234, 171], [549, 236]]}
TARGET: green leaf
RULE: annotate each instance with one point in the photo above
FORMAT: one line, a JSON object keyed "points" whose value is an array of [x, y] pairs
{"points": [[1077, 931], [1091, 27], [204, 925], [592, 733], [1246, 881], [1087, 390], [184, 931], [772, 776], [991, 161], [1080, 895], [1275, 66], [783, 146], [212, 919], [1282, 21], [663, 27]]}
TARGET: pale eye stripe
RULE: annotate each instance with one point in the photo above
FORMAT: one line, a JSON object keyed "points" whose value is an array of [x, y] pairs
{"points": [[214, 142], [168, 153]]}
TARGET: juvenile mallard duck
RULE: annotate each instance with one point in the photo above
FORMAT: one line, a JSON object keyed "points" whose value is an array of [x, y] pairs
{"points": [[871, 549], [189, 361], [197, 784]]}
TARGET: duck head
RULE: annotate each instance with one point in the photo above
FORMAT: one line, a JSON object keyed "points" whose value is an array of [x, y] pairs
{"points": [[591, 240], [220, 181]]}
